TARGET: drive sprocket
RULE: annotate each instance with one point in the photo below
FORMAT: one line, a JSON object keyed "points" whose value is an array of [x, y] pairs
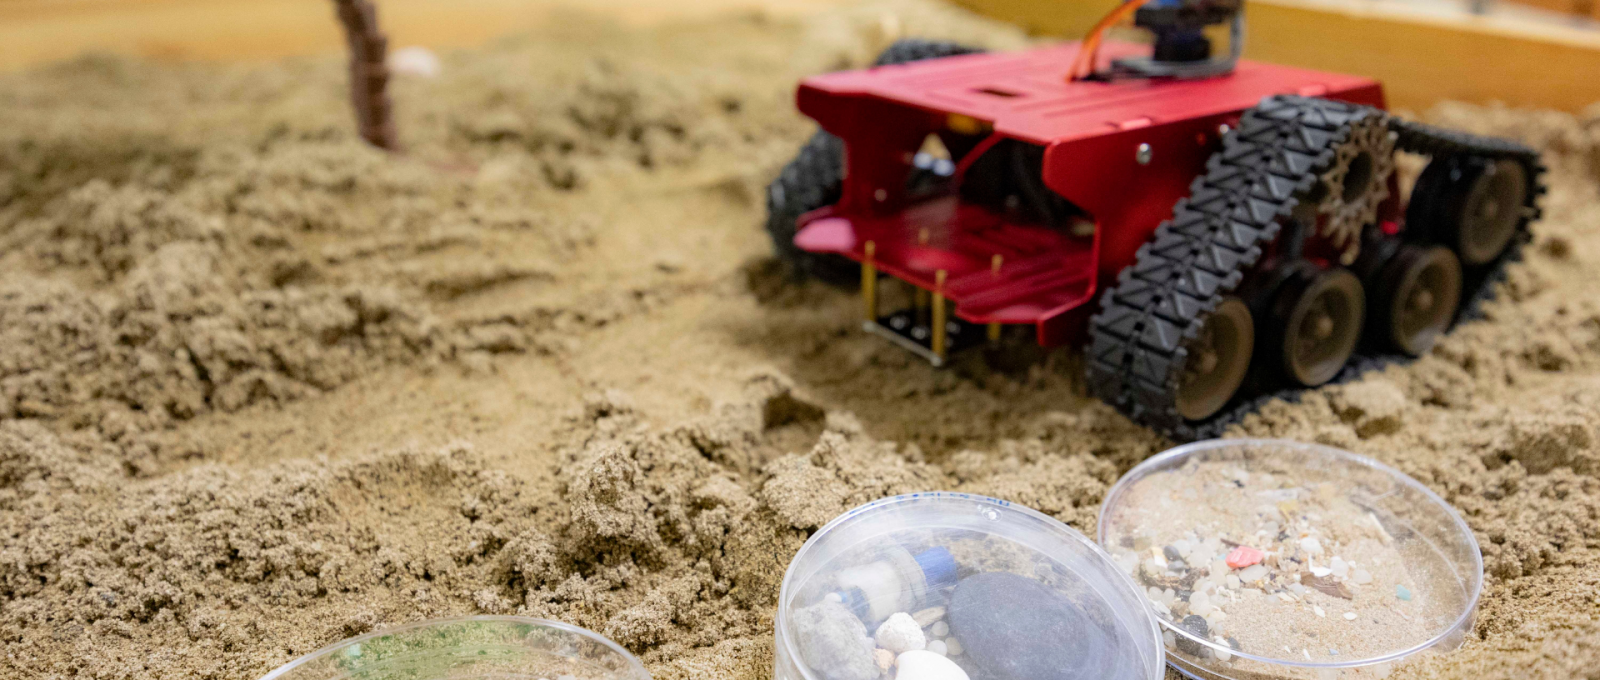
{"points": [[1353, 189]]}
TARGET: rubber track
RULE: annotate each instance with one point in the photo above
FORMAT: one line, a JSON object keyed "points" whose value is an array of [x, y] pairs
{"points": [[1137, 347], [813, 179]]}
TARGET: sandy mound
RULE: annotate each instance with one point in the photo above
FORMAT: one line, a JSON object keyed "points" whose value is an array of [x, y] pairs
{"points": [[262, 388]]}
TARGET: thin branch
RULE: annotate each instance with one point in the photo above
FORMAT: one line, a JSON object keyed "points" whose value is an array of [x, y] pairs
{"points": [[369, 72]]}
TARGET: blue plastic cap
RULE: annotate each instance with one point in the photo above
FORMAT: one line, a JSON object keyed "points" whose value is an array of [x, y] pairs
{"points": [[938, 567]]}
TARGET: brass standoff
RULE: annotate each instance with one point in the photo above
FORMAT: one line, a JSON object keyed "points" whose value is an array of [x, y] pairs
{"points": [[939, 330], [869, 282], [994, 269]]}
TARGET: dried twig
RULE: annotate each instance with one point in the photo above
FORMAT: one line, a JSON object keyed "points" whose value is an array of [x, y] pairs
{"points": [[369, 72]]}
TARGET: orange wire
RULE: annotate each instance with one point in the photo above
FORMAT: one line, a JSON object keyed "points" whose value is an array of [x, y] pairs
{"points": [[1089, 50]]}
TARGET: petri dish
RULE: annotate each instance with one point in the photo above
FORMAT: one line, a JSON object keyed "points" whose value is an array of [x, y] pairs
{"points": [[1279, 559], [472, 648], [952, 586]]}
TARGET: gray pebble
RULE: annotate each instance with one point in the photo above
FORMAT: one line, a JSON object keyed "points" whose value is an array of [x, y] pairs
{"points": [[834, 642]]}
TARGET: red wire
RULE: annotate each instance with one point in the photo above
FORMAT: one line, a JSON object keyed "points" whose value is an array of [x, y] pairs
{"points": [[973, 155]]}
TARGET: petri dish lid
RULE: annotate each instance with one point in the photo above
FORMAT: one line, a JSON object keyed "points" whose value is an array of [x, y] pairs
{"points": [[470, 648], [996, 590], [1271, 558]]}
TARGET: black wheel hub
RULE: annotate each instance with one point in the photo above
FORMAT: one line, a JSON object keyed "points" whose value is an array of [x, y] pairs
{"points": [[1218, 360], [1325, 314], [1422, 294], [1492, 209]]}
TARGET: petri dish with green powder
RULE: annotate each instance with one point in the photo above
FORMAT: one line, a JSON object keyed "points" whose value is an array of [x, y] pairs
{"points": [[472, 648]]}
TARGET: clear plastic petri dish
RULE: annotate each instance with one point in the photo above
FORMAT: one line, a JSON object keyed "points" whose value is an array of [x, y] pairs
{"points": [[1278, 559], [501, 647], [951, 586]]}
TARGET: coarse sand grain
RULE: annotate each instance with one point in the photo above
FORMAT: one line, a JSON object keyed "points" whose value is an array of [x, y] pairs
{"points": [[262, 388]]}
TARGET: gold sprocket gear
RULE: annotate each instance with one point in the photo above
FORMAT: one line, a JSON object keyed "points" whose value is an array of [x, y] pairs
{"points": [[1365, 157]]}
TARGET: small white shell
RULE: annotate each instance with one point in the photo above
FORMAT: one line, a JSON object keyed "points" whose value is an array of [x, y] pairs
{"points": [[927, 616], [925, 665], [900, 633]]}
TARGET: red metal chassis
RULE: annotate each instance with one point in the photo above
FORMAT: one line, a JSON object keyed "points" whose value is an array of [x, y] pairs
{"points": [[1091, 131]]}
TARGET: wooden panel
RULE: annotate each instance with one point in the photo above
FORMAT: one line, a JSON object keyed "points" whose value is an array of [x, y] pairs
{"points": [[35, 31], [1422, 53], [1582, 8]]}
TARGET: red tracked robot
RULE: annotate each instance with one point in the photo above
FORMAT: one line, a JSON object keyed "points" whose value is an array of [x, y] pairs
{"points": [[1214, 231]]}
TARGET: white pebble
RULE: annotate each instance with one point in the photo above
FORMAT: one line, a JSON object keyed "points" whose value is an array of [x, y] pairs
{"points": [[1223, 655], [1233, 582], [952, 647], [1169, 639], [1319, 611], [1128, 561], [940, 629], [900, 633], [1349, 616], [1184, 548], [1361, 577], [834, 598], [1253, 573], [1339, 567], [925, 665], [1320, 572], [938, 647], [415, 61], [1311, 545], [1218, 568]]}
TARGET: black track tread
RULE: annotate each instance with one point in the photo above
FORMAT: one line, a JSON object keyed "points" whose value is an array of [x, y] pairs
{"points": [[814, 178], [907, 50], [811, 181], [1137, 346]]}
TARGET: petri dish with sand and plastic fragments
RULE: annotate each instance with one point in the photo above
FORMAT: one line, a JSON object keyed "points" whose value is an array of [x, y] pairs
{"points": [[1276, 559], [472, 648], [950, 586]]}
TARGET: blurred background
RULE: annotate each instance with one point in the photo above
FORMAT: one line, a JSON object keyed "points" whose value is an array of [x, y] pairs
{"points": [[1543, 53]]}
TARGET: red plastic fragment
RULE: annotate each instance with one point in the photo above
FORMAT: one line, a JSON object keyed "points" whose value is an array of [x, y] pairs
{"points": [[1243, 556]]}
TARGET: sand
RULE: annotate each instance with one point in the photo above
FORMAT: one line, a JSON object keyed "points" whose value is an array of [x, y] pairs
{"points": [[262, 388]]}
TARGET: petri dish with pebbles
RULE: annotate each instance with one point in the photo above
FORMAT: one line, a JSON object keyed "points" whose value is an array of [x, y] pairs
{"points": [[472, 648], [950, 586], [1279, 559]]}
